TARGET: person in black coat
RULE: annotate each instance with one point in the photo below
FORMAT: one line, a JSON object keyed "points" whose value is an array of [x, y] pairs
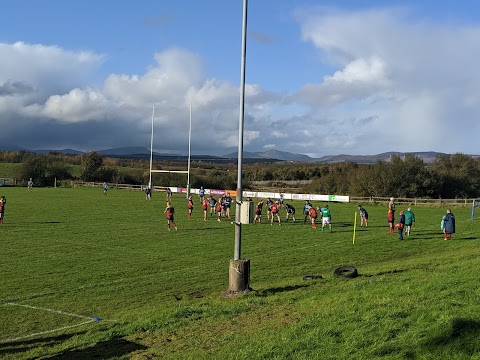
{"points": [[448, 225]]}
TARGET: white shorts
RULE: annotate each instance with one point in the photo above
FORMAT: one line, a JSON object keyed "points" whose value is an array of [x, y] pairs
{"points": [[325, 220]]}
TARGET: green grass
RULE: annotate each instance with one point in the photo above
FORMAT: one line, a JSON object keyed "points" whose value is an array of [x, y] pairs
{"points": [[161, 294]]}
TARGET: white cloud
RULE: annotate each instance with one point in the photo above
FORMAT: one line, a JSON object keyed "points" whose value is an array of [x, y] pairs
{"points": [[46, 68], [412, 77], [393, 84]]}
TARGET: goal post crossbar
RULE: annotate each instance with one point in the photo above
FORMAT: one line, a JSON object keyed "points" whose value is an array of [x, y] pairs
{"points": [[170, 171]]}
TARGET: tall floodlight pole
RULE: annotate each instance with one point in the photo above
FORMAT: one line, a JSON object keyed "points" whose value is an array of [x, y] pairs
{"points": [[151, 150], [239, 271], [189, 147]]}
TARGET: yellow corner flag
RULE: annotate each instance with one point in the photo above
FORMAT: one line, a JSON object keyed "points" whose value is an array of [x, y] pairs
{"points": [[354, 227]]}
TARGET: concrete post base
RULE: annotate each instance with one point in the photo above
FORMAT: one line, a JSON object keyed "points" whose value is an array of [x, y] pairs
{"points": [[239, 277]]}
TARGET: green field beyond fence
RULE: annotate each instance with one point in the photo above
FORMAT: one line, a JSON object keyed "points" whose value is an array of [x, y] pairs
{"points": [[85, 276]]}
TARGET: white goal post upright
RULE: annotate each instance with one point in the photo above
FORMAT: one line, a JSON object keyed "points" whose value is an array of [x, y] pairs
{"points": [[189, 141], [171, 171]]}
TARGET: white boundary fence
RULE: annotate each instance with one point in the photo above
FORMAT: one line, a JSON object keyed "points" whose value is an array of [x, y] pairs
{"points": [[301, 197]]}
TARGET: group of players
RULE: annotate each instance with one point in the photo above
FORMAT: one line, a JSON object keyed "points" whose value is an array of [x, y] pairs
{"points": [[310, 212], [221, 208]]}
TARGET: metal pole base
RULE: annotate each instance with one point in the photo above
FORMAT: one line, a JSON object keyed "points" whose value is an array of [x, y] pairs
{"points": [[239, 277]]}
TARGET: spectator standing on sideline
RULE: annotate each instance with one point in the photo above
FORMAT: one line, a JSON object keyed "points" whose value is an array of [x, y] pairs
{"points": [[168, 195], [190, 206], [448, 225], [400, 225], [363, 216], [3, 201], [170, 211], [105, 188], [391, 214], [30, 185], [409, 220], [290, 211], [258, 212], [201, 194]]}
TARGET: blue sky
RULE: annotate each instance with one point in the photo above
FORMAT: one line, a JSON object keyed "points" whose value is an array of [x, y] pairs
{"points": [[323, 77]]}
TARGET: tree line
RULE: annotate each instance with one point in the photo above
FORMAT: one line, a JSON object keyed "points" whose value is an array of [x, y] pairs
{"points": [[447, 177]]}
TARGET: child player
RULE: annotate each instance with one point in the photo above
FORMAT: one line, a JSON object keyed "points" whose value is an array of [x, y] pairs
{"points": [[170, 211], [313, 215], [190, 206], [205, 205], [258, 212], [290, 211], [363, 216], [213, 204], [219, 209], [326, 218], [275, 208]]}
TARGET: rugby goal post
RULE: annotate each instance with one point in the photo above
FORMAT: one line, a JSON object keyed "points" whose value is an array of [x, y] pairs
{"points": [[171, 171]]}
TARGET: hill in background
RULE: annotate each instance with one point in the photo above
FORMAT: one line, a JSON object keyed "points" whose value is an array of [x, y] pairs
{"points": [[263, 156]]}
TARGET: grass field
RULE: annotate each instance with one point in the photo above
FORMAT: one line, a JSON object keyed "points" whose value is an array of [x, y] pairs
{"points": [[69, 256]]}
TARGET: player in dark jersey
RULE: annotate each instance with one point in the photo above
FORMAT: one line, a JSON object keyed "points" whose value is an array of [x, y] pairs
{"points": [[258, 212], [227, 204], [269, 207], [169, 210], [3, 201], [290, 211], [190, 206], [306, 210], [213, 204]]}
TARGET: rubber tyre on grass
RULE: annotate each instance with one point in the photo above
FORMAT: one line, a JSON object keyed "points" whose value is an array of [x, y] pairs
{"points": [[349, 272]]}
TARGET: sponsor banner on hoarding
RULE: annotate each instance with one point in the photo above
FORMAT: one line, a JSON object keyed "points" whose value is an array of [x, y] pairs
{"points": [[300, 196], [314, 197], [216, 192], [250, 194], [273, 195], [339, 198], [266, 195]]}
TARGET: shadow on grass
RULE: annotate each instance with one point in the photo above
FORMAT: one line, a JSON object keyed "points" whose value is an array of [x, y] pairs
{"points": [[462, 337], [46, 222], [114, 348], [276, 290], [103, 350], [18, 346]]}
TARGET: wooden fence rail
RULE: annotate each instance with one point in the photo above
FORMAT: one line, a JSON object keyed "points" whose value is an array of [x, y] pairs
{"points": [[353, 199]]}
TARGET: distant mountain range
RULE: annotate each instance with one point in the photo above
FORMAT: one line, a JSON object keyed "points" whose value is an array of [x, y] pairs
{"points": [[271, 155], [250, 157]]}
